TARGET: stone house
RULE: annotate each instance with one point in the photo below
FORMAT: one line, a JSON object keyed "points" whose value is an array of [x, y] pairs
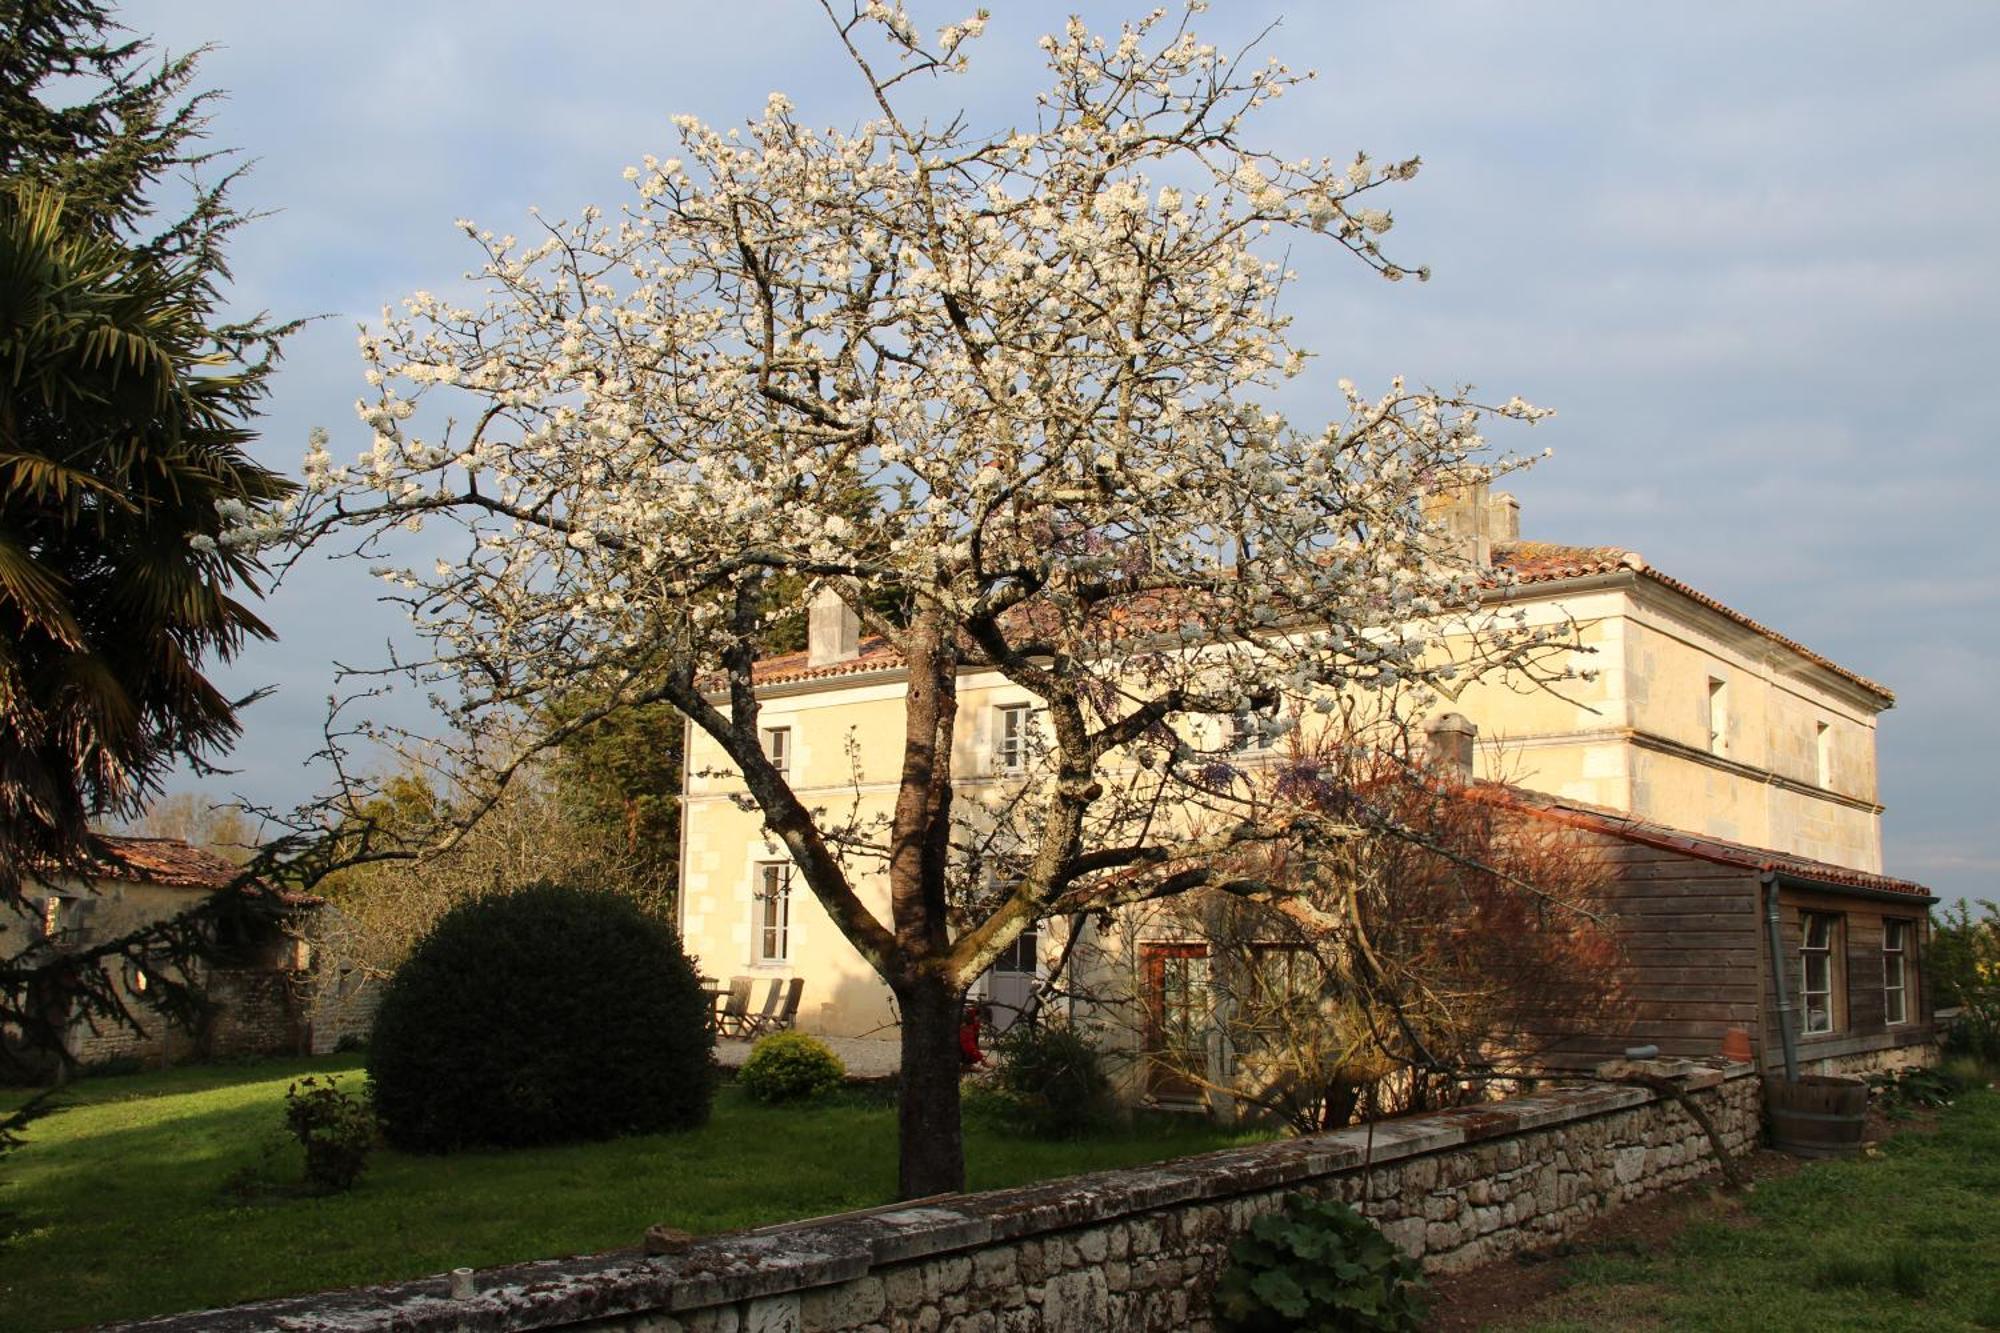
{"points": [[266, 992], [1694, 719]]}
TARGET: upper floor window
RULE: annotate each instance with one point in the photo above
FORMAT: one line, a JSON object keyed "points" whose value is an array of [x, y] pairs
{"points": [[1819, 970], [1718, 715], [774, 911], [1896, 971], [778, 749], [1823, 754], [1251, 730], [1010, 738]]}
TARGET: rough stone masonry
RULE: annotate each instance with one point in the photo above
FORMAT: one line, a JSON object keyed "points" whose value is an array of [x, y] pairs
{"points": [[1119, 1250]]}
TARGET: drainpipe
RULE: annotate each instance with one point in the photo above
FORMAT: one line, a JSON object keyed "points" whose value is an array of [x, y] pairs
{"points": [[1779, 981]]}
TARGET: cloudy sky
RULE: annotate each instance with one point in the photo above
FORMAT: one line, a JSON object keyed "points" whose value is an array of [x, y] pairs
{"points": [[1749, 252]]}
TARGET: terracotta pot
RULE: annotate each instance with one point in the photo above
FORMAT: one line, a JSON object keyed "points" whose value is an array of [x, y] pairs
{"points": [[1736, 1045]]}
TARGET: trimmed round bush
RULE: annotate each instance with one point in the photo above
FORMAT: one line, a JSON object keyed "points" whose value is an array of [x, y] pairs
{"points": [[540, 1016], [790, 1067]]}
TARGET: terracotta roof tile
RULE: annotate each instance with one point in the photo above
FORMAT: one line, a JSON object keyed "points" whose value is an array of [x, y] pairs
{"points": [[876, 654], [1551, 562], [1719, 851], [167, 861], [1529, 562], [175, 864]]}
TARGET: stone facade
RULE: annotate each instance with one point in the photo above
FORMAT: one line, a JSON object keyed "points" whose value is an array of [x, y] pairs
{"points": [[1123, 1250]]}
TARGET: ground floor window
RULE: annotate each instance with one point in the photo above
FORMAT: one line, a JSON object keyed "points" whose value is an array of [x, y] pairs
{"points": [[1279, 991], [1896, 971], [1177, 1018], [774, 912], [1819, 947], [1011, 981]]}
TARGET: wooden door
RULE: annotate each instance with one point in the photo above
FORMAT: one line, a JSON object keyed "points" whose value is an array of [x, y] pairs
{"points": [[1177, 1019]]}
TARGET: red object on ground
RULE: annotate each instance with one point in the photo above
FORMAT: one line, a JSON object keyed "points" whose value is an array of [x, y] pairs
{"points": [[968, 1037]]}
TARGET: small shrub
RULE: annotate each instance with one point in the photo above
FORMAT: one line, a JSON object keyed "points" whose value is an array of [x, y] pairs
{"points": [[1975, 1031], [791, 1067], [1317, 1265], [336, 1130], [350, 1043], [545, 1015], [1905, 1089], [1049, 1081]]}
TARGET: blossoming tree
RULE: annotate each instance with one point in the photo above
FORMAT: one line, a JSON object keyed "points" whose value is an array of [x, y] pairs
{"points": [[1044, 354]]}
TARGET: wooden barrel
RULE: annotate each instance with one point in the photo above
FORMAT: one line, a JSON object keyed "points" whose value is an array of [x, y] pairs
{"points": [[1821, 1115]]}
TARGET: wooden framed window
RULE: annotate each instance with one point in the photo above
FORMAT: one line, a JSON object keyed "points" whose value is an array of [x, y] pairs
{"points": [[1010, 738], [778, 749], [1177, 1018], [774, 912], [1896, 936], [1819, 971], [1280, 991]]}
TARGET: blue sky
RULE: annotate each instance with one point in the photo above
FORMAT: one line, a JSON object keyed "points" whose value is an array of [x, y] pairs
{"points": [[1750, 254]]}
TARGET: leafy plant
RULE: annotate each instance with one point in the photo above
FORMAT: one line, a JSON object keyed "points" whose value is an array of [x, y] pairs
{"points": [[336, 1130], [1318, 1266], [1964, 953], [791, 1067], [1908, 1089], [1049, 1081], [1975, 1030], [541, 1016]]}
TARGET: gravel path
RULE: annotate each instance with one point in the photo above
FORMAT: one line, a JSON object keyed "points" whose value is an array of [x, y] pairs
{"points": [[865, 1057]]}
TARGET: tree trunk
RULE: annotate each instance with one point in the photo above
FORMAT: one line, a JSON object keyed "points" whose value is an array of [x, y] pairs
{"points": [[930, 1141]]}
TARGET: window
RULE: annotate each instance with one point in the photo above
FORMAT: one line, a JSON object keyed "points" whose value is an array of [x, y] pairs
{"points": [[1823, 753], [1819, 942], [1177, 1026], [1896, 971], [1251, 730], [1718, 715], [1280, 992], [1010, 738], [52, 917], [1023, 956], [778, 749], [774, 912]]}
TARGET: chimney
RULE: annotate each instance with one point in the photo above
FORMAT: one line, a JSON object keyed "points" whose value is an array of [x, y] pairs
{"points": [[1503, 518], [833, 632], [1459, 505], [1452, 737]]}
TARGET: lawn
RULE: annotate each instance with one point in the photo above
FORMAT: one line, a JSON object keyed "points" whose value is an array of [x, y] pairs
{"points": [[156, 1193], [1909, 1239]]}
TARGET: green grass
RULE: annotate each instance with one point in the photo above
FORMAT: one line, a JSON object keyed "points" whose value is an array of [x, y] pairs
{"points": [[1907, 1240], [156, 1193]]}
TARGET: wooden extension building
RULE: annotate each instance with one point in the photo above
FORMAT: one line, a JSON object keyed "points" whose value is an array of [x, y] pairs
{"points": [[1718, 935]]}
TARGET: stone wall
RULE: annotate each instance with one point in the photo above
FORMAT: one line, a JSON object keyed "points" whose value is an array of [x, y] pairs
{"points": [[1121, 1250], [343, 1005]]}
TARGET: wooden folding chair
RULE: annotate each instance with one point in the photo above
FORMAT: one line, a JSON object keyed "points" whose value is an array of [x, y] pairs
{"points": [[755, 1024], [731, 1022], [780, 1017]]}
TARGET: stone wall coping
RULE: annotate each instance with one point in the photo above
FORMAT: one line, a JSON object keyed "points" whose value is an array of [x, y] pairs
{"points": [[797, 1256]]}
